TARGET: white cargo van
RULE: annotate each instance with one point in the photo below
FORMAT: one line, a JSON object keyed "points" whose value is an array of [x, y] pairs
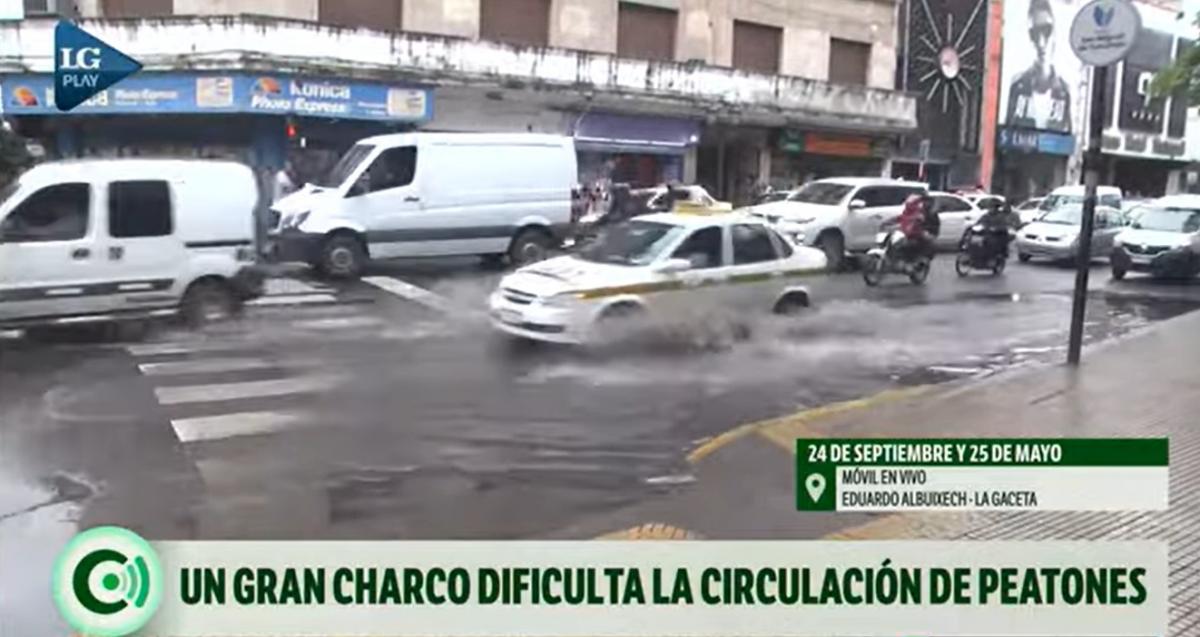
{"points": [[112, 239], [432, 194]]}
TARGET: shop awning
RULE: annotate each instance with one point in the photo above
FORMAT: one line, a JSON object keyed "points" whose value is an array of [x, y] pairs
{"points": [[609, 132]]}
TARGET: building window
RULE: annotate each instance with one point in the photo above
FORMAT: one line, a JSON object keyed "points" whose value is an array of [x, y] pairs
{"points": [[646, 33], [385, 15], [515, 21], [756, 47], [849, 61], [138, 8]]}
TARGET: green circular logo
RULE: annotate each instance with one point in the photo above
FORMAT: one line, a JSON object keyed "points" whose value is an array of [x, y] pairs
{"points": [[108, 582]]}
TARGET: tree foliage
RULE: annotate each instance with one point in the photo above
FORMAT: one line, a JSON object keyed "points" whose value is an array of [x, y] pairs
{"points": [[14, 156], [1184, 73]]}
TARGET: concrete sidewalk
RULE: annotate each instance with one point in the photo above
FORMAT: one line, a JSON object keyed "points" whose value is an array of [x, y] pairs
{"points": [[1145, 384]]}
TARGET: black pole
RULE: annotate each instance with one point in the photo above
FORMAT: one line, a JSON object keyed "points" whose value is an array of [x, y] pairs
{"points": [[1091, 177]]}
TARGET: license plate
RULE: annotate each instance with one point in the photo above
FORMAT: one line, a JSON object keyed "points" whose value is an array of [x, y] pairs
{"points": [[976, 241]]}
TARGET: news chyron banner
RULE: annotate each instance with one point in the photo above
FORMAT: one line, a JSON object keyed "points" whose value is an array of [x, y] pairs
{"points": [[111, 582], [984, 474]]}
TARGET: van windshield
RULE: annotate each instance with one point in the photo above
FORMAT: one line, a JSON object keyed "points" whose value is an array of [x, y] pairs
{"points": [[345, 166]]}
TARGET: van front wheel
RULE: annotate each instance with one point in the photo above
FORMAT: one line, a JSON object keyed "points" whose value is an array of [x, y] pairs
{"points": [[529, 246], [342, 257], [209, 302]]}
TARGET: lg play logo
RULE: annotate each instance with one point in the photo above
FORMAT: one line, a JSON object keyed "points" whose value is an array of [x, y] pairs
{"points": [[84, 65]]}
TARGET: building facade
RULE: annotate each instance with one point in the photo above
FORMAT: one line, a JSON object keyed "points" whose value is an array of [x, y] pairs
{"points": [[1046, 98], [728, 93]]}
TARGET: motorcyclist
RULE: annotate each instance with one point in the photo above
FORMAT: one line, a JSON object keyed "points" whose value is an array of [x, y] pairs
{"points": [[916, 225], [997, 220]]}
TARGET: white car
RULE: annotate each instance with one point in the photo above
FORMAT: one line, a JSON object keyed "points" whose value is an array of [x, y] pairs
{"points": [[839, 215], [956, 213], [1164, 239], [662, 267]]}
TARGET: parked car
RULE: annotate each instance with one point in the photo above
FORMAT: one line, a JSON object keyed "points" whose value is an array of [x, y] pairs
{"points": [[1055, 235], [665, 268], [127, 239], [956, 213], [1030, 209], [839, 215], [983, 199], [432, 194], [674, 198], [1164, 239]]}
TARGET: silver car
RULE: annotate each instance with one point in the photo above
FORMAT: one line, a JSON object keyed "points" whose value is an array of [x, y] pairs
{"points": [[1055, 235]]}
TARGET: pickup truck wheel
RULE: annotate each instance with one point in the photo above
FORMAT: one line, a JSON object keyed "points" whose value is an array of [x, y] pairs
{"points": [[209, 302], [834, 248], [342, 257], [530, 246]]}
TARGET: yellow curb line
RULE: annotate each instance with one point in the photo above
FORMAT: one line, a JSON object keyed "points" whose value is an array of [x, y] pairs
{"points": [[784, 430], [651, 531]]}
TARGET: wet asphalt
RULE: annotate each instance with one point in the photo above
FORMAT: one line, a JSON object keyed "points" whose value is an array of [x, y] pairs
{"points": [[402, 422]]}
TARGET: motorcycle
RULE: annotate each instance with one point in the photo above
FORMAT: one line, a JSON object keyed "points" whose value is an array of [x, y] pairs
{"points": [[982, 249], [889, 257]]}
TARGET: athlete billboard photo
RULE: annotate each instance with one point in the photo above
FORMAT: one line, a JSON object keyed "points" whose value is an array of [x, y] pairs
{"points": [[1041, 73]]}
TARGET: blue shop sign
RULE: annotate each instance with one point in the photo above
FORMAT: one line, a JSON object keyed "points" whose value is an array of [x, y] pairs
{"points": [[233, 93], [1032, 141]]}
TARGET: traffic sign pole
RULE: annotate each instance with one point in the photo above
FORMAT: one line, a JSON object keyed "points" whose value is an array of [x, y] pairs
{"points": [[1091, 178]]}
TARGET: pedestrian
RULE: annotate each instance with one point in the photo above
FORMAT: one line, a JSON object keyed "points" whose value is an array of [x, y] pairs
{"points": [[285, 182]]}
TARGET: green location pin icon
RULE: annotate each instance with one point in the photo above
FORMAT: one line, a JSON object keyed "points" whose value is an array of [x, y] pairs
{"points": [[815, 484]]}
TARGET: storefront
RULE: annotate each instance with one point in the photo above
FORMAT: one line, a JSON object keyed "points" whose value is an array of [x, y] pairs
{"points": [[262, 120], [637, 150], [800, 156], [1030, 163]]}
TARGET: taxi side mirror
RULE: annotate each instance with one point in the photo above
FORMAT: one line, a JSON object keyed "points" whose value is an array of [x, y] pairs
{"points": [[672, 266]]}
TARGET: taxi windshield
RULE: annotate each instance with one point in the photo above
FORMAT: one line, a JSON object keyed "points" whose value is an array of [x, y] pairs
{"points": [[633, 243]]}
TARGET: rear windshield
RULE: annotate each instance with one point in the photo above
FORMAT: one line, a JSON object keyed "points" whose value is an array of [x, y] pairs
{"points": [[345, 166]]}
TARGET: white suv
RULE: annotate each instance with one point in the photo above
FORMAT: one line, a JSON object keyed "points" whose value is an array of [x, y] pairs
{"points": [[840, 215]]}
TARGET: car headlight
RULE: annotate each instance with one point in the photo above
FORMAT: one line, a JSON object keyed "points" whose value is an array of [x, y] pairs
{"points": [[560, 300], [1118, 241], [294, 221]]}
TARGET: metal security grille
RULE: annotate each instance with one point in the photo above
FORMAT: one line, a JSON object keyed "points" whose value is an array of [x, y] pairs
{"points": [[138, 8], [646, 33], [756, 47], [385, 15], [515, 21]]}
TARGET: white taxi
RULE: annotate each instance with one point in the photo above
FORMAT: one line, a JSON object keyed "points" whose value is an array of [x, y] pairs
{"points": [[662, 267]]}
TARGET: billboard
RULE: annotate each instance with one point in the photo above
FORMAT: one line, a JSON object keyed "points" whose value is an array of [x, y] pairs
{"points": [[1040, 74]]}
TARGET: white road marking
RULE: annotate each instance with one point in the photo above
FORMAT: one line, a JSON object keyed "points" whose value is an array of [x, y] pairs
{"points": [[949, 369], [274, 287], [338, 323], [162, 349], [292, 299], [231, 425], [236, 391], [203, 366], [410, 292]]}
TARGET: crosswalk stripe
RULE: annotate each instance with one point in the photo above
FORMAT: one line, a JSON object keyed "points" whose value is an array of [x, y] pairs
{"points": [[410, 292], [162, 349], [204, 366], [291, 299], [278, 286], [236, 391], [231, 425]]}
